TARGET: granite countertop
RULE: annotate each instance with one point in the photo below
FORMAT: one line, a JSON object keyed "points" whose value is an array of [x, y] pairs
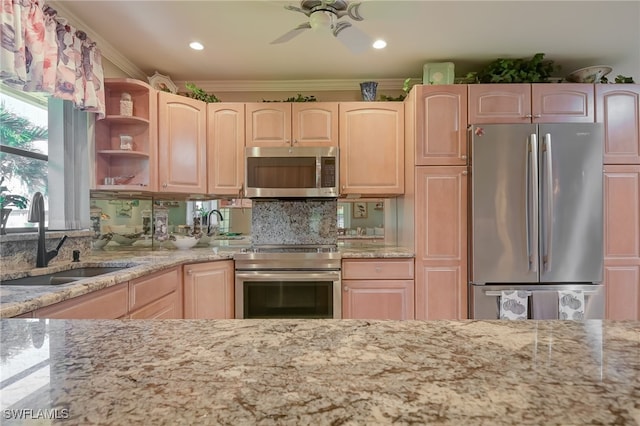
{"points": [[321, 372], [16, 300]]}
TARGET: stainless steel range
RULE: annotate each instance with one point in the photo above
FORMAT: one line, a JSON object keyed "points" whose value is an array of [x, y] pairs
{"points": [[297, 281]]}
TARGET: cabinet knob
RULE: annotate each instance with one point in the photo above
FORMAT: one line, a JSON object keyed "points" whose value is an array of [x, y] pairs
{"points": [[190, 272], [164, 185], [463, 157], [464, 173], [345, 288], [537, 115], [528, 116]]}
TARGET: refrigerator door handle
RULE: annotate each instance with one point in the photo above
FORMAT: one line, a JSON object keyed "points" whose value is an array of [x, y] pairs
{"points": [[531, 203], [547, 222]]}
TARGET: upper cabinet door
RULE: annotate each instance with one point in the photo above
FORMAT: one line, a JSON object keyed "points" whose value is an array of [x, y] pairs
{"points": [[225, 148], [268, 124], [499, 103], [562, 103], [618, 107], [315, 123], [371, 148], [441, 125], [182, 155]]}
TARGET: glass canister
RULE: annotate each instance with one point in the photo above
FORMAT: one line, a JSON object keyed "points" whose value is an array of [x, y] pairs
{"points": [[160, 223], [126, 105], [126, 142]]}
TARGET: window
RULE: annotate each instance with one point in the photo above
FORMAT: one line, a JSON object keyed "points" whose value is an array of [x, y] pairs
{"points": [[24, 150], [56, 162]]}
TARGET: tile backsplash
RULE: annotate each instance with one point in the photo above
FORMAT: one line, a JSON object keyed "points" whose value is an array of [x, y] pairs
{"points": [[294, 222]]}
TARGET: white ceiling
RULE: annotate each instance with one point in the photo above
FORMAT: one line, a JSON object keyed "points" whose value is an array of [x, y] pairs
{"points": [[142, 37]]}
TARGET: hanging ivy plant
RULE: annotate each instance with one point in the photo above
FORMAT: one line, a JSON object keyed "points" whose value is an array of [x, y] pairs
{"points": [[534, 70], [201, 95], [297, 98]]}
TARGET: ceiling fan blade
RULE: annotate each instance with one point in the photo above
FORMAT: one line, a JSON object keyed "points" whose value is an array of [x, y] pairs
{"points": [[356, 40], [291, 34]]}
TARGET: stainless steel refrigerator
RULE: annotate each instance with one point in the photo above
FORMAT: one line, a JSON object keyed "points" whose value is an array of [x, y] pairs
{"points": [[536, 214]]}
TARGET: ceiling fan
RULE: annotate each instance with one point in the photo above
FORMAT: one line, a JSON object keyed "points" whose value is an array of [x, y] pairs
{"points": [[327, 13]]}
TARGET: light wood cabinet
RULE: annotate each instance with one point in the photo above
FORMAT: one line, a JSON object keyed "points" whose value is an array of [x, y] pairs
{"points": [[440, 125], [371, 148], [133, 169], [441, 242], [147, 290], [618, 108], [182, 145], [225, 148], [208, 290], [531, 103], [377, 289], [292, 124], [167, 307], [108, 303], [622, 241]]}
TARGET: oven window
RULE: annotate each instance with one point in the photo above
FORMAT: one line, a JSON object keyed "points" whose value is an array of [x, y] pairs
{"points": [[288, 299]]}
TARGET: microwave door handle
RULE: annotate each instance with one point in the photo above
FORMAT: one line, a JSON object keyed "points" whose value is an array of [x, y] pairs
{"points": [[318, 170]]}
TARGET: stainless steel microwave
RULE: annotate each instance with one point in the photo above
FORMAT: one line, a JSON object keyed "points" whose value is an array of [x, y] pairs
{"points": [[291, 172]]}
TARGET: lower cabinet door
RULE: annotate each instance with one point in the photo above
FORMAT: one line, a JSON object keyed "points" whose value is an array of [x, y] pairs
{"points": [[208, 290], [108, 303], [377, 299]]}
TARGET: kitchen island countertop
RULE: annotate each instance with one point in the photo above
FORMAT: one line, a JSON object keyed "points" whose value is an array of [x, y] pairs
{"points": [[16, 300], [320, 372]]}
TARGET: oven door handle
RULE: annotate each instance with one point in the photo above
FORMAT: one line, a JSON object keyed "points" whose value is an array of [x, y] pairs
{"points": [[288, 276]]}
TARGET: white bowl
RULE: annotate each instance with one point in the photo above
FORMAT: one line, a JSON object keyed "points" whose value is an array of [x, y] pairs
{"points": [[183, 242], [124, 240], [590, 74]]}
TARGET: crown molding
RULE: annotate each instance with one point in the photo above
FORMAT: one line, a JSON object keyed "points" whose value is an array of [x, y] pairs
{"points": [[106, 49], [289, 85]]}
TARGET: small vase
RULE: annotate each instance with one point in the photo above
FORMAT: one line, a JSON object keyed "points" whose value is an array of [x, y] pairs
{"points": [[368, 89]]}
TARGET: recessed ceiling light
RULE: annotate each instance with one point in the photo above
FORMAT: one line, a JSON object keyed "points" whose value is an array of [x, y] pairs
{"points": [[379, 44], [196, 46]]}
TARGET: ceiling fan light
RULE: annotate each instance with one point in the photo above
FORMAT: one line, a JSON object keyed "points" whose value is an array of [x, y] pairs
{"points": [[320, 19]]}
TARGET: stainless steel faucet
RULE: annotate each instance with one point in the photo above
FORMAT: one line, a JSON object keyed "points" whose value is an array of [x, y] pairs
{"points": [[36, 215], [209, 220]]}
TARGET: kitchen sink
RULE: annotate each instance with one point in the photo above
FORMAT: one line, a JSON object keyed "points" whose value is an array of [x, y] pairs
{"points": [[64, 277]]}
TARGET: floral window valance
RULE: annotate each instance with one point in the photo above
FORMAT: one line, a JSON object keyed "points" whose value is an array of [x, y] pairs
{"points": [[41, 52]]}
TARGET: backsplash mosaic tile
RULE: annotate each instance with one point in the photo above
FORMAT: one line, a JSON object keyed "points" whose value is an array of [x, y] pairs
{"points": [[294, 222]]}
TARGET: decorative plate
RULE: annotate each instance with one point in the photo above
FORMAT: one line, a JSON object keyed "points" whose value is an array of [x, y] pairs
{"points": [[590, 74], [162, 83]]}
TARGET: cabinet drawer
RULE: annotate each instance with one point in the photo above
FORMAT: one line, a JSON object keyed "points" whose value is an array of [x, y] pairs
{"points": [[377, 269], [146, 289], [167, 307], [108, 303]]}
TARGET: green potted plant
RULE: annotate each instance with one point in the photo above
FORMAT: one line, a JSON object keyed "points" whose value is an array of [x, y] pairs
{"points": [[406, 88], [518, 70], [9, 200], [197, 93]]}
